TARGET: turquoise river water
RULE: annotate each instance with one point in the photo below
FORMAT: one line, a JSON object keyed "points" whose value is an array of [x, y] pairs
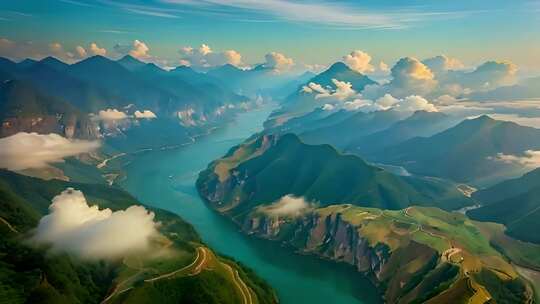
{"points": [[166, 179]]}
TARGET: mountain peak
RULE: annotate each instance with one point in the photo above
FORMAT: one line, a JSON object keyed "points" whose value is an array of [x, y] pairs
{"points": [[26, 63], [422, 114], [483, 119], [53, 62], [338, 67], [95, 58], [131, 63]]}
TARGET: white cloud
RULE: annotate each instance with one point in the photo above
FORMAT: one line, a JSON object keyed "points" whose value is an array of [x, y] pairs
{"points": [[147, 114], [521, 120], [81, 52], [489, 75], [75, 227], [409, 77], [387, 101], [408, 104], [359, 61], [363, 105], [139, 50], [315, 87], [530, 159], [445, 100], [111, 114], [383, 67], [204, 56], [328, 107], [443, 63], [278, 61], [415, 103], [343, 91], [31, 150], [56, 49], [93, 49], [96, 50], [288, 205]]}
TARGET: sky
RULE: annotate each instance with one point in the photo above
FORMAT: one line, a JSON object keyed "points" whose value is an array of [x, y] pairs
{"points": [[312, 33]]}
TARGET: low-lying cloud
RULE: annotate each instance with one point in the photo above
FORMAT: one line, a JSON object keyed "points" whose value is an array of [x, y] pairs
{"points": [[111, 114], [75, 227], [146, 114], [288, 205], [530, 159], [205, 57], [359, 61], [31, 150], [278, 61]]}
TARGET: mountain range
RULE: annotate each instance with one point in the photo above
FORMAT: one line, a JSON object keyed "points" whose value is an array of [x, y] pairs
{"points": [[263, 170], [466, 152], [300, 102], [513, 203]]}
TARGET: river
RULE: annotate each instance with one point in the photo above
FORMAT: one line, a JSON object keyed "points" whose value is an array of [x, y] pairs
{"points": [[166, 179]]}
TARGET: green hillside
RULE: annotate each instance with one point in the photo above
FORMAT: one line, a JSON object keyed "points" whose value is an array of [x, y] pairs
{"points": [[269, 167], [463, 153], [32, 275], [344, 133], [414, 255], [509, 188], [420, 124], [514, 203], [25, 108]]}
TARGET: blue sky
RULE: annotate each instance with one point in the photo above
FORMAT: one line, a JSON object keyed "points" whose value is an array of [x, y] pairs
{"points": [[311, 32]]}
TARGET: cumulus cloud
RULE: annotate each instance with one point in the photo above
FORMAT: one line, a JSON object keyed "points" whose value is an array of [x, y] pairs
{"points": [[56, 49], [205, 57], [363, 105], [383, 67], [288, 205], [31, 150], [490, 74], [343, 90], [387, 101], [18, 50], [328, 107], [443, 63], [315, 88], [81, 52], [137, 49], [96, 50], [487, 76], [445, 100], [75, 227], [278, 61], [93, 49], [111, 114], [530, 159], [359, 61], [147, 114], [409, 76], [411, 103], [415, 103]]}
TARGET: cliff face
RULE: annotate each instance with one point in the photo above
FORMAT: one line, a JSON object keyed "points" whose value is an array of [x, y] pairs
{"points": [[283, 190], [333, 238], [70, 127]]}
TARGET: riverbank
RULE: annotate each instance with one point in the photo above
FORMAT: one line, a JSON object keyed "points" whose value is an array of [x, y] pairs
{"points": [[166, 179]]}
